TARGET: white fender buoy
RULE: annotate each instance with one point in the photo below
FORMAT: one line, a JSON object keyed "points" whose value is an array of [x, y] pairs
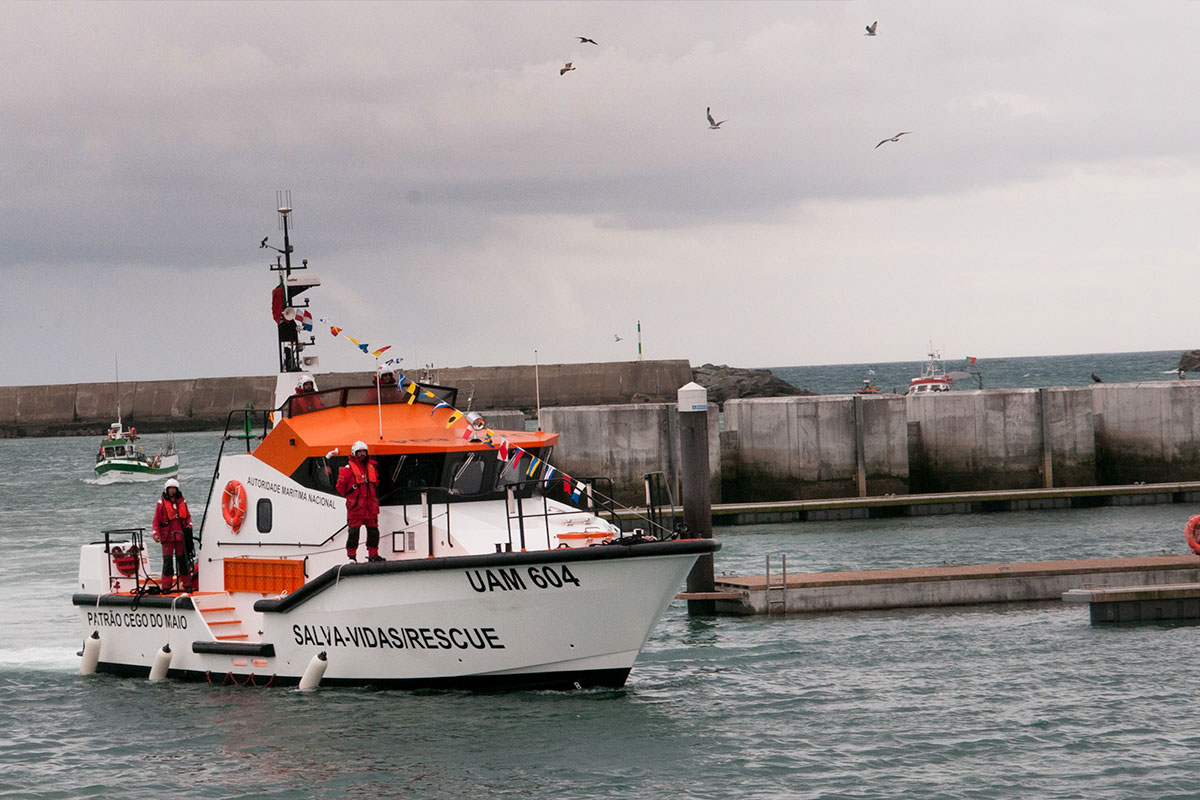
{"points": [[91, 654], [314, 672], [162, 662]]}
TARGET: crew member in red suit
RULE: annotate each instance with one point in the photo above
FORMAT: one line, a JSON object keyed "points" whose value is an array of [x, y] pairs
{"points": [[385, 383], [172, 527], [358, 482], [306, 398]]}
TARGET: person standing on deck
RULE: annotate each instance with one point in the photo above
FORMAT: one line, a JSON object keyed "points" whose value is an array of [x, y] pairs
{"points": [[385, 386], [172, 528], [358, 482], [306, 398]]}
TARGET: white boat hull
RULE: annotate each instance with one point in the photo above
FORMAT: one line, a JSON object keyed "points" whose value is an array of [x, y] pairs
{"points": [[132, 469], [549, 619]]}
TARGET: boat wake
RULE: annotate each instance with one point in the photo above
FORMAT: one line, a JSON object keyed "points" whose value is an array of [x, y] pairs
{"points": [[53, 659], [120, 477]]}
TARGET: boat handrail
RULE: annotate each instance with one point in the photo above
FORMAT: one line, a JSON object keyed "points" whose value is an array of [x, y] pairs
{"points": [[369, 395], [135, 537]]}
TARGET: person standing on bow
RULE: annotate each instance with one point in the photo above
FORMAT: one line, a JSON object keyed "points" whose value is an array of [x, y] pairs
{"points": [[358, 482], [173, 530]]}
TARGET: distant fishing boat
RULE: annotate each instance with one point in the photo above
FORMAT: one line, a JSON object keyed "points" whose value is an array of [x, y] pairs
{"points": [[933, 377], [122, 458]]}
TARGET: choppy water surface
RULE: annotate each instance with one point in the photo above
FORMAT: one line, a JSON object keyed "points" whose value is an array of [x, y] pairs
{"points": [[993, 702]]}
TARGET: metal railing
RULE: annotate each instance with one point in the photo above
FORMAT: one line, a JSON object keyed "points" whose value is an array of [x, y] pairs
{"points": [[777, 590], [134, 557]]}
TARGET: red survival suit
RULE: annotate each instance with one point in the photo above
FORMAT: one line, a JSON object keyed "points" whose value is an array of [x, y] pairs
{"points": [[170, 520], [359, 484]]}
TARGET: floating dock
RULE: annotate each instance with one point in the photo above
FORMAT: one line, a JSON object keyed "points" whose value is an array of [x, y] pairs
{"points": [[1129, 604], [780, 592]]}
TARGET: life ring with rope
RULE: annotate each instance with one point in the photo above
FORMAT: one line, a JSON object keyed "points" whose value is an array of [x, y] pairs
{"points": [[233, 505], [1192, 534]]}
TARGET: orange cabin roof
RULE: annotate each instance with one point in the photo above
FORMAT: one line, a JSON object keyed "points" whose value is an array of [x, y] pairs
{"points": [[406, 429]]}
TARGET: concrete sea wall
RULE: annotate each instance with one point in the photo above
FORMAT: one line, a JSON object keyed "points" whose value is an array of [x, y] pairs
{"points": [[88, 408], [626, 442], [842, 446], [205, 403], [768, 449]]}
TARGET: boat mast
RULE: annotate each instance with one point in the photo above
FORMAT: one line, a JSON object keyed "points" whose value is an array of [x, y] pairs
{"points": [[117, 377], [290, 345]]}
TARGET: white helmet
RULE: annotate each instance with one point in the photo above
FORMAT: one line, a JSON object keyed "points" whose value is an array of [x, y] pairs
{"points": [[170, 483], [358, 446], [303, 379]]}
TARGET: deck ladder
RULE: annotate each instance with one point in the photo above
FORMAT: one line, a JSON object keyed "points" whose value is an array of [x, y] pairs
{"points": [[777, 590]]}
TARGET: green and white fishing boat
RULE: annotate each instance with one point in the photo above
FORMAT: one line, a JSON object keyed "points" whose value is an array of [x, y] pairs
{"points": [[121, 458]]}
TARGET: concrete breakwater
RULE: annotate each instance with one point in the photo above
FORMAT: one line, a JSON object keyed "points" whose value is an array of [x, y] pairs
{"points": [[205, 403], [797, 448], [762, 449], [800, 448]]}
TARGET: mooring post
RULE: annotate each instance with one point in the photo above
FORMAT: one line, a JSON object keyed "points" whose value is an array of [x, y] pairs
{"points": [[697, 489]]}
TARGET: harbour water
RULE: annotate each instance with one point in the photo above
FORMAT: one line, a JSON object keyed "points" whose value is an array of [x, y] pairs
{"points": [[1026, 701]]}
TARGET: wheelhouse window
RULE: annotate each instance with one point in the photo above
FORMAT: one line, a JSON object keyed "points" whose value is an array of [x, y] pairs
{"points": [[471, 475], [426, 394]]}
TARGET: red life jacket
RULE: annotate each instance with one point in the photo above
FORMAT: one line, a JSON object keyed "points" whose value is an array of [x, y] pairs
{"points": [[362, 498], [371, 475], [176, 511]]}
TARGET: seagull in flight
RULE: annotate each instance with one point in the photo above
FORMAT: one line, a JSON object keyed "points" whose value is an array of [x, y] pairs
{"points": [[712, 123], [616, 338], [566, 69], [871, 28], [586, 40], [895, 138]]}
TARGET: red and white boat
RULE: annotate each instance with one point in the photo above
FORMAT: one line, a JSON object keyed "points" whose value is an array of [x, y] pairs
{"points": [[933, 377], [490, 579]]}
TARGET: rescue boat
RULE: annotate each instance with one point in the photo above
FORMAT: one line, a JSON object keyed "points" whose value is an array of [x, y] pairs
{"points": [[495, 575]]}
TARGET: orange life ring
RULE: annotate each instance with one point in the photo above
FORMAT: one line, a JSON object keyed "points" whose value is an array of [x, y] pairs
{"points": [[233, 505], [1191, 534]]}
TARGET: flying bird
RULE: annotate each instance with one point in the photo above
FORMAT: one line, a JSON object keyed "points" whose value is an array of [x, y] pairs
{"points": [[566, 69], [895, 138], [586, 40], [616, 338], [871, 28], [712, 123]]}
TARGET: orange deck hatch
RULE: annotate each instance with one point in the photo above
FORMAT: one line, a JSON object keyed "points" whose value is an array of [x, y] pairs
{"points": [[263, 575]]}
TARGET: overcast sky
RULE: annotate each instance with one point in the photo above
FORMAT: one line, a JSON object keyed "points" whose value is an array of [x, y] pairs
{"points": [[465, 203]]}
